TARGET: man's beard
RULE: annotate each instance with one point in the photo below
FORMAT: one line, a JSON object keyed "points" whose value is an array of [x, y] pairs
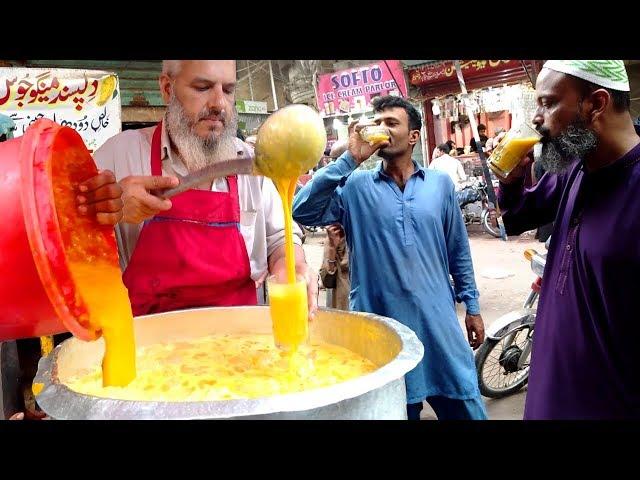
{"points": [[560, 152], [197, 152]]}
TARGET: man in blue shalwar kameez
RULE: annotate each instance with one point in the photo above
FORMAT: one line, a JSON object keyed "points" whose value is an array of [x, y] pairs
{"points": [[406, 237]]}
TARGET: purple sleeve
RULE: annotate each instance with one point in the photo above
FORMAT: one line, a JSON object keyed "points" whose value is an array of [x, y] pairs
{"points": [[525, 209]]}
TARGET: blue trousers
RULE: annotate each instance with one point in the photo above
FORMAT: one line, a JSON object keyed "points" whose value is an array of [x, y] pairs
{"points": [[451, 409]]}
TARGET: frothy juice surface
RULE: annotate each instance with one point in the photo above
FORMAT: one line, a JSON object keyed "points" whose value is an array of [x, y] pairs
{"points": [[225, 367], [91, 255]]}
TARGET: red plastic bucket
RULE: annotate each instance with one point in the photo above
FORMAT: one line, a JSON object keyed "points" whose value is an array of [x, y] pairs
{"points": [[37, 293]]}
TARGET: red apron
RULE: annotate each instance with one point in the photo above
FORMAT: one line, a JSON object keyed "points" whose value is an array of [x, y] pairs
{"points": [[192, 255]]}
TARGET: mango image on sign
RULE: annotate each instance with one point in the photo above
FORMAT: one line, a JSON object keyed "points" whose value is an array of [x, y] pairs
{"points": [[107, 87], [290, 142]]}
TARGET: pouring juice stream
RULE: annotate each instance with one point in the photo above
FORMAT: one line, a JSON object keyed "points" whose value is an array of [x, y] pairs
{"points": [[286, 188], [289, 143], [91, 254], [288, 301], [110, 312]]}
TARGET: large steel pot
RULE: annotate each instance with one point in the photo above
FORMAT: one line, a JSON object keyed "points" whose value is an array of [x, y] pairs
{"points": [[378, 395]]}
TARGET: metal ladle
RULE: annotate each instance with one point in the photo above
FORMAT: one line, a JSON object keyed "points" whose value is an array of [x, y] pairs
{"points": [[289, 143]]}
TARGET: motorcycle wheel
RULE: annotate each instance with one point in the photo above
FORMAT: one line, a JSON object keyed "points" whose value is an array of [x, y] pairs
{"points": [[488, 224], [496, 364]]}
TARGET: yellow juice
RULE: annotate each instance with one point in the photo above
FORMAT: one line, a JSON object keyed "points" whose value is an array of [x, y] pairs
{"points": [[288, 301], [286, 188], [374, 134], [508, 153], [109, 311], [288, 305], [93, 263], [226, 367], [377, 137]]}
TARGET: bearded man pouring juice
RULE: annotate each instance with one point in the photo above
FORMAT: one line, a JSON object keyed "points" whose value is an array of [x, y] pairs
{"points": [[209, 246], [215, 244]]}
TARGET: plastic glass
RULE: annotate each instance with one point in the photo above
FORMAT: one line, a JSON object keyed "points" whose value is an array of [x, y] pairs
{"points": [[289, 312], [374, 134], [514, 146]]}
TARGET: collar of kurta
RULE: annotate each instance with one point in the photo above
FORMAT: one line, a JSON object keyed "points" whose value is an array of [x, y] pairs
{"points": [[381, 175], [628, 159]]}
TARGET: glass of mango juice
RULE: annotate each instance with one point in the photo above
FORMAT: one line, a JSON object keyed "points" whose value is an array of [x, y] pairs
{"points": [[374, 134], [289, 312], [513, 147]]}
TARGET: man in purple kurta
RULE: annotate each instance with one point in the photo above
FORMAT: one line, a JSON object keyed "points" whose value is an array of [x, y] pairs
{"points": [[585, 360]]}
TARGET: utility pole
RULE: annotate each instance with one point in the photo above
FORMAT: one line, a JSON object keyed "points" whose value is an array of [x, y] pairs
{"points": [[250, 83], [273, 88]]}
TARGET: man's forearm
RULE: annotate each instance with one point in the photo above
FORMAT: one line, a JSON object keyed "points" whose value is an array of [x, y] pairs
{"points": [[528, 208], [315, 203], [459, 256], [277, 258]]}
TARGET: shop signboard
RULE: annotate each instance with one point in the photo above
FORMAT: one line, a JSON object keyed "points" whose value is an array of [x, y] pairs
{"points": [[446, 71], [85, 100], [250, 106], [351, 90]]}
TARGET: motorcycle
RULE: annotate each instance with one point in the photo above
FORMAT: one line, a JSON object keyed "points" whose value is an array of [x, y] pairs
{"points": [[502, 361], [474, 204]]}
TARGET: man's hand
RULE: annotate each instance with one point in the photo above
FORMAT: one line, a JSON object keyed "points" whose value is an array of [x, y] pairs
{"points": [[359, 148], [311, 277], [37, 415], [101, 196], [335, 234], [139, 204], [475, 330]]}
